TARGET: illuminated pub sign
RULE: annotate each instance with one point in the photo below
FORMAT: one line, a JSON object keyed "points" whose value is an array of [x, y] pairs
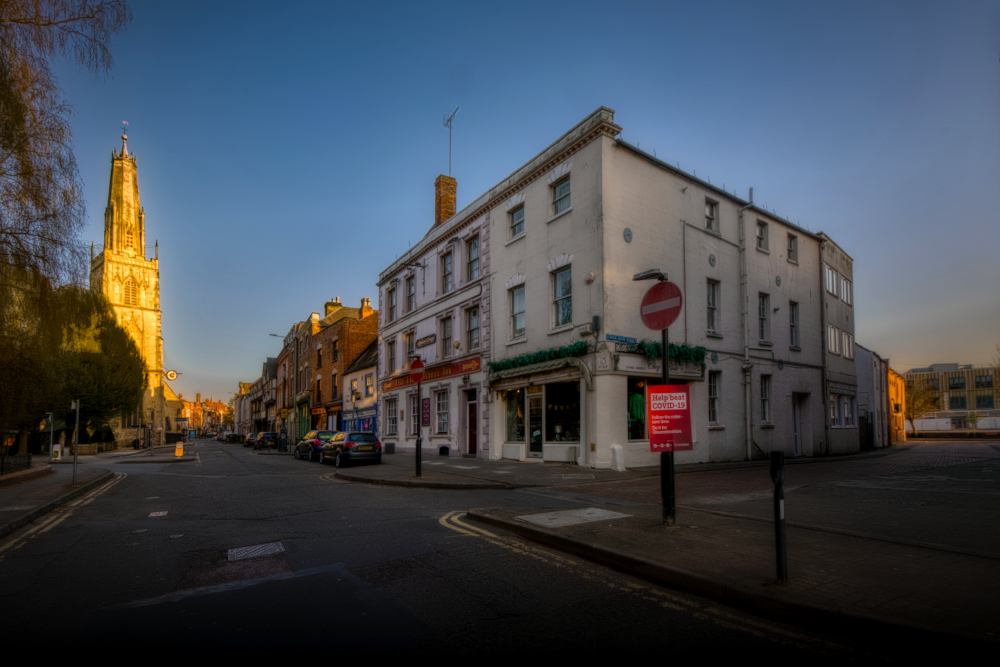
{"points": [[460, 368]]}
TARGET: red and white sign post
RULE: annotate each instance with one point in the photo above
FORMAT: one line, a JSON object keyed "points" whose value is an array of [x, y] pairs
{"points": [[668, 414], [417, 374]]}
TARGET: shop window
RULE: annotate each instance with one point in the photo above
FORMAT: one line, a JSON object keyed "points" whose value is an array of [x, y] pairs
{"points": [[515, 415], [562, 412], [637, 408]]}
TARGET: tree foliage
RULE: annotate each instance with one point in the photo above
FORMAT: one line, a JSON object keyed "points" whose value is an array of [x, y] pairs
{"points": [[60, 345], [42, 211], [41, 203], [99, 363], [921, 398]]}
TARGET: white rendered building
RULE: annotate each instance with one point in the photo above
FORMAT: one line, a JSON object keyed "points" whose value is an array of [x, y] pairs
{"points": [[432, 305], [764, 344]]}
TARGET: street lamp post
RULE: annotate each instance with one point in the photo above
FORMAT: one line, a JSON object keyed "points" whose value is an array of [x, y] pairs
{"points": [[75, 405], [51, 433], [417, 373]]}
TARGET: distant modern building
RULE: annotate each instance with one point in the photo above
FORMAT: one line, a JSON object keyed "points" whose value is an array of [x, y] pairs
{"points": [[960, 389]]}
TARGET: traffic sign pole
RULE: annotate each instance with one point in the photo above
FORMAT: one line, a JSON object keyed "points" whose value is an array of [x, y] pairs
{"points": [[667, 458], [660, 307]]}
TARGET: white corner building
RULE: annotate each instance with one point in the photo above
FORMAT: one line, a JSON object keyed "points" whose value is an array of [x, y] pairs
{"points": [[766, 329]]}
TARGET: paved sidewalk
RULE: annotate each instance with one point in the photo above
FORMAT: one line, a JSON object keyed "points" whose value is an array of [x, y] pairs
{"points": [[837, 581], [449, 472], [161, 454]]}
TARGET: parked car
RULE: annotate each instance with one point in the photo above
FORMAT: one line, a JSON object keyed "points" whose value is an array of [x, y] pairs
{"points": [[267, 439], [251, 439], [346, 448], [311, 444]]}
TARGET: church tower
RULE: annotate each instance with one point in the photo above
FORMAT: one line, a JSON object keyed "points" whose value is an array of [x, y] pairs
{"points": [[132, 284]]}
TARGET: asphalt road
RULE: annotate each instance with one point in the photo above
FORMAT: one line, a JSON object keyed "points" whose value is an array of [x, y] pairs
{"points": [[142, 568]]}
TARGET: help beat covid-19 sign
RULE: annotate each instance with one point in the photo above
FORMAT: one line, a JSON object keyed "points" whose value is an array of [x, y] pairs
{"points": [[668, 407]]}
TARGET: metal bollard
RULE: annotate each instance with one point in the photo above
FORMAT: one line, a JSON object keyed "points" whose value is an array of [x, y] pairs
{"points": [[778, 477]]}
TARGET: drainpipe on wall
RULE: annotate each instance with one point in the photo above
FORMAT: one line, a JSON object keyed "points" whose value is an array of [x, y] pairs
{"points": [[747, 364]]}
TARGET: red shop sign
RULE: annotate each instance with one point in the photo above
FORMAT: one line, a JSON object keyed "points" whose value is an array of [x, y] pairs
{"points": [[669, 410]]}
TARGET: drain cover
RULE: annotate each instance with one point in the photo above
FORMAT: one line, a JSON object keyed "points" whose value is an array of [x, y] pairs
{"points": [[255, 551]]}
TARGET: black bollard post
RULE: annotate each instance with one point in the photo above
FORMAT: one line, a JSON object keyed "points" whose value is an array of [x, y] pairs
{"points": [[778, 477]]}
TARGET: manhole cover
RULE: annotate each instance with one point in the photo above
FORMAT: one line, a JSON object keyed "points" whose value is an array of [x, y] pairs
{"points": [[255, 551]]}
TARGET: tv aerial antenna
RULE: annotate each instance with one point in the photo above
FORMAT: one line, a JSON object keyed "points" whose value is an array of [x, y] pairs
{"points": [[447, 123]]}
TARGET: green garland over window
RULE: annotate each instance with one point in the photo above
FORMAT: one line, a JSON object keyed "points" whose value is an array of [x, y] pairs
{"points": [[683, 352], [574, 350]]}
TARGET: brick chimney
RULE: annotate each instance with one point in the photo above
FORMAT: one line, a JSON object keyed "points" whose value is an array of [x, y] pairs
{"points": [[332, 305], [366, 309], [444, 198], [197, 397]]}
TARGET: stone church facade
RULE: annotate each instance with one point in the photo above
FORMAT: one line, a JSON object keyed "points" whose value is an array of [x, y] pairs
{"points": [[132, 284]]}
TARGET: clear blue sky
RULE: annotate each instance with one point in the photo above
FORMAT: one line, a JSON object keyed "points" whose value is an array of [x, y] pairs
{"points": [[287, 151]]}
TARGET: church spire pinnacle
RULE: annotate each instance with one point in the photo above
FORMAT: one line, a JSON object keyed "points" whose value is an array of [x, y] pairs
{"points": [[124, 138]]}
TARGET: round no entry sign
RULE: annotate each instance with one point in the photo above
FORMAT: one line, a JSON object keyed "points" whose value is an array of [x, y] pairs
{"points": [[417, 370], [661, 305]]}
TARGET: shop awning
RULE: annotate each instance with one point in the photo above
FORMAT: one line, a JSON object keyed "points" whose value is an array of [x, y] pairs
{"points": [[546, 367]]}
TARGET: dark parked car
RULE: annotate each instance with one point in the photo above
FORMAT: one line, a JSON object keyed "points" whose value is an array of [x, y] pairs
{"points": [[250, 440], [311, 444], [266, 440], [351, 446]]}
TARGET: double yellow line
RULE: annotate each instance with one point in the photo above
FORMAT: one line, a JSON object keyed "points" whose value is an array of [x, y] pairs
{"points": [[59, 515], [691, 605]]}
